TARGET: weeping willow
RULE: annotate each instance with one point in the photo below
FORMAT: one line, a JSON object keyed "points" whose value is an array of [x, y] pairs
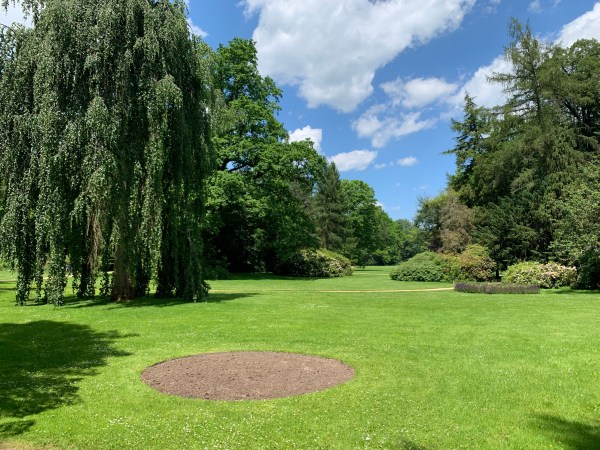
{"points": [[104, 148]]}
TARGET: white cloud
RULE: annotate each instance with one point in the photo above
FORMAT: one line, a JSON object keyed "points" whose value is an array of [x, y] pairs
{"points": [[314, 134], [355, 160], [409, 161], [586, 26], [332, 49], [483, 92], [196, 30], [418, 92], [381, 123], [535, 6], [380, 166], [13, 14]]}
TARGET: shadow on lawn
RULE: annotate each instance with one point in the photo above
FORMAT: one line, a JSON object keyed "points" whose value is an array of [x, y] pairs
{"points": [[42, 363], [571, 434], [266, 276], [156, 302]]}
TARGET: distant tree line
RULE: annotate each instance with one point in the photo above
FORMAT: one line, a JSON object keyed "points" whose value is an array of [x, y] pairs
{"points": [[131, 150]]}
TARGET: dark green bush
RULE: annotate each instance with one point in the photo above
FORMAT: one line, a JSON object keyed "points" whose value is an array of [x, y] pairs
{"points": [[217, 272], [320, 263], [426, 266], [496, 288], [475, 264], [588, 272]]}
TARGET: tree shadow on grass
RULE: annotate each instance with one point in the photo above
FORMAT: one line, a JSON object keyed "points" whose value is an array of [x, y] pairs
{"points": [[156, 302], [266, 276], [41, 364], [571, 434]]}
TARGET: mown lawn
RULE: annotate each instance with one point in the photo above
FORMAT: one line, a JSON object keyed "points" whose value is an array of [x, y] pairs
{"points": [[434, 369]]}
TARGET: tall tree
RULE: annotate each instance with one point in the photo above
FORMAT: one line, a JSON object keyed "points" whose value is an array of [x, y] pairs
{"points": [[104, 144], [330, 205], [258, 200]]}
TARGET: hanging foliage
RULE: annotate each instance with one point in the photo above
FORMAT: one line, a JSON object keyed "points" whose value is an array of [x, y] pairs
{"points": [[104, 147]]}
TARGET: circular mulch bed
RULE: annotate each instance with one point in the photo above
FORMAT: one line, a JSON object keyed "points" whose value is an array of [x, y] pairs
{"points": [[246, 375]]}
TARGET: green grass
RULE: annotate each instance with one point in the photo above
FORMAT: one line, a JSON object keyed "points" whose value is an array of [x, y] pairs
{"points": [[435, 369]]}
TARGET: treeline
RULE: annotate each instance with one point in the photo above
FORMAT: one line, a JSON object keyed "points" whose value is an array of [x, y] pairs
{"points": [[270, 198], [131, 150], [527, 181]]}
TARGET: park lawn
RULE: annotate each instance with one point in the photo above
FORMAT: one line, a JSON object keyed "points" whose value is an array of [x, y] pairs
{"points": [[434, 369]]}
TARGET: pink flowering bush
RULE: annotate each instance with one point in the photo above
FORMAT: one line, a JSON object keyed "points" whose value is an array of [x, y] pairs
{"points": [[547, 276]]}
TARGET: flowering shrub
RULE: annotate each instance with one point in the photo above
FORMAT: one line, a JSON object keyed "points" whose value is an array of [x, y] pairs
{"points": [[551, 275], [496, 288], [315, 263]]}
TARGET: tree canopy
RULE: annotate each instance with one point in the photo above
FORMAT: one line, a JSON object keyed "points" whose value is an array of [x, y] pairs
{"points": [[105, 142], [526, 168]]}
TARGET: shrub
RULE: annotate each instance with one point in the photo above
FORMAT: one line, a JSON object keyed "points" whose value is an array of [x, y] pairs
{"points": [[315, 263], [426, 266], [217, 272], [475, 264], [551, 275], [588, 273], [496, 288]]}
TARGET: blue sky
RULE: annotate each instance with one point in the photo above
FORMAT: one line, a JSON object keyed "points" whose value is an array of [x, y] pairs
{"points": [[374, 83]]}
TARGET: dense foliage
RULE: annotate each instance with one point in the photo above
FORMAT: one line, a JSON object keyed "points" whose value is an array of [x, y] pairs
{"points": [[426, 266], [473, 264], [551, 275], [319, 263], [526, 180], [104, 147]]}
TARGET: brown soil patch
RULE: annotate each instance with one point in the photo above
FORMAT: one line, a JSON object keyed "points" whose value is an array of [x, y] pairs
{"points": [[246, 375]]}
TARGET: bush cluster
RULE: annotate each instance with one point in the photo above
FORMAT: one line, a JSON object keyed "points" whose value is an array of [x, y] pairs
{"points": [[496, 288], [320, 263], [551, 275], [426, 266], [474, 264]]}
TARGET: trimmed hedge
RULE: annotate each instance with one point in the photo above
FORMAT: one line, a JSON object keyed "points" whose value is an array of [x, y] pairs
{"points": [[426, 266], [551, 275], [319, 263], [496, 288]]}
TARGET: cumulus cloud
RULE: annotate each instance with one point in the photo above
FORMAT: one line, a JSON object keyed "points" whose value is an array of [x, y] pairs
{"points": [[382, 123], [314, 134], [418, 92], [483, 92], [409, 161], [355, 160], [332, 49], [586, 26]]}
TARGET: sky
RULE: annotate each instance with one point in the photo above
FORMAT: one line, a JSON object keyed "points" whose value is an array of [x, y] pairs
{"points": [[375, 83]]}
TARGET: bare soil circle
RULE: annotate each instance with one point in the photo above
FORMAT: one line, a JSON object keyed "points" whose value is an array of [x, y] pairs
{"points": [[246, 375]]}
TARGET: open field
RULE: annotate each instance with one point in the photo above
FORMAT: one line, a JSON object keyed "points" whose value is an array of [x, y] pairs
{"points": [[434, 369]]}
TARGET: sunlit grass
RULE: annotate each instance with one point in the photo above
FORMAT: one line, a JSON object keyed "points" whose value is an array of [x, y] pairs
{"points": [[435, 369]]}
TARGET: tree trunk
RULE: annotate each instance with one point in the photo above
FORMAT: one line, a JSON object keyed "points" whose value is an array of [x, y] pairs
{"points": [[122, 288]]}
